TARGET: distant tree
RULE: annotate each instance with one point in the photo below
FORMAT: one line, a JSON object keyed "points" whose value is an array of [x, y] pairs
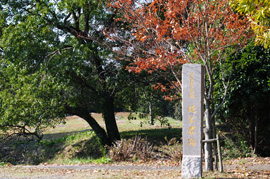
{"points": [[164, 34], [258, 12], [152, 102]]}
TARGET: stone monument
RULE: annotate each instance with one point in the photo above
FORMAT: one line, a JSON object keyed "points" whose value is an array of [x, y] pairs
{"points": [[192, 111]]}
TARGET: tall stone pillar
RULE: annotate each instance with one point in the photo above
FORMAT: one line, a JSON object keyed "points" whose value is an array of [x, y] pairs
{"points": [[192, 111]]}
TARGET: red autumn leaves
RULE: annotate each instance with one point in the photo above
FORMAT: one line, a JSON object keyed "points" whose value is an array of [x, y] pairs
{"points": [[173, 32]]}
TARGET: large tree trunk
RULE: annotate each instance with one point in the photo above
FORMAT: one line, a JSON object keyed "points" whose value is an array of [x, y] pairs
{"points": [[109, 118], [208, 135], [100, 132], [84, 114]]}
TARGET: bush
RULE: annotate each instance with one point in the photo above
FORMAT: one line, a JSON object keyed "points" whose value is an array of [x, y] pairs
{"points": [[136, 148], [235, 147]]}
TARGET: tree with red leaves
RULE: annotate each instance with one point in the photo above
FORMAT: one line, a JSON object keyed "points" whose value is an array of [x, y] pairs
{"points": [[164, 34]]}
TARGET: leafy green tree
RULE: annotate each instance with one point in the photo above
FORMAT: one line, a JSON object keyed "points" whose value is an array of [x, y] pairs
{"points": [[29, 102], [65, 41], [247, 105], [258, 13]]}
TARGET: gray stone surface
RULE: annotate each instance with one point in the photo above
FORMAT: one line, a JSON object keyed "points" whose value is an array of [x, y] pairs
{"points": [[192, 111], [191, 167], [192, 108]]}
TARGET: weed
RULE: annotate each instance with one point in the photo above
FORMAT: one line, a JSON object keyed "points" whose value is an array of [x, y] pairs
{"points": [[242, 162], [103, 160], [82, 160], [131, 149]]}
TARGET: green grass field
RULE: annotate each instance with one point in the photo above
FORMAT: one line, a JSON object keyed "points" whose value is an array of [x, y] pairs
{"points": [[74, 141]]}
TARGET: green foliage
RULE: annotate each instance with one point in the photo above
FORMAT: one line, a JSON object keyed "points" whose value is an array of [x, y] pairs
{"points": [[235, 147], [247, 105], [29, 101], [160, 106], [3, 164], [89, 160], [60, 40], [258, 13], [163, 121]]}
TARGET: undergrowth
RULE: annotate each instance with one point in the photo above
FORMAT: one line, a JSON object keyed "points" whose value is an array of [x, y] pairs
{"points": [[235, 147], [131, 149], [83, 147], [139, 148]]}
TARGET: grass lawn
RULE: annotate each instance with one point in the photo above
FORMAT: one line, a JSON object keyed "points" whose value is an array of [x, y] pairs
{"points": [[75, 143]]}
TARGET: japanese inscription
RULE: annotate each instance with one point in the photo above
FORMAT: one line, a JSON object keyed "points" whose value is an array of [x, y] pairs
{"points": [[191, 109]]}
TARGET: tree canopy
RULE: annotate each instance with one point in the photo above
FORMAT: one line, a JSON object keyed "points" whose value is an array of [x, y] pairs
{"points": [[29, 102], [258, 12], [247, 105], [58, 47]]}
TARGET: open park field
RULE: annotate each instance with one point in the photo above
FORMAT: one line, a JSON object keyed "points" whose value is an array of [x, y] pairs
{"points": [[70, 150]]}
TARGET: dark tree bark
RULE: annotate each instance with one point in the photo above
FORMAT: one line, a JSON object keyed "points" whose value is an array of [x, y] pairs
{"points": [[110, 121], [84, 114]]}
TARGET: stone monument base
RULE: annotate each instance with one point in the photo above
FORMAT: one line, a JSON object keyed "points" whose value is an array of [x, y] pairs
{"points": [[191, 166]]}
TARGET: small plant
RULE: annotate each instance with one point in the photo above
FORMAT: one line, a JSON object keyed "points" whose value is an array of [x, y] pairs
{"points": [[172, 149], [131, 149], [163, 121], [143, 116]]}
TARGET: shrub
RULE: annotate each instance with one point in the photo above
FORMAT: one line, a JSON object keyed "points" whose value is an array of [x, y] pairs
{"points": [[172, 149], [136, 148], [235, 147]]}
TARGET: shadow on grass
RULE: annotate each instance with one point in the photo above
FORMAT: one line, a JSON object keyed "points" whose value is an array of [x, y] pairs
{"points": [[63, 134], [155, 136], [80, 144]]}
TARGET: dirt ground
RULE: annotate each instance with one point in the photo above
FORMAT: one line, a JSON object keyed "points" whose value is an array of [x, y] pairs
{"points": [[238, 168]]}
